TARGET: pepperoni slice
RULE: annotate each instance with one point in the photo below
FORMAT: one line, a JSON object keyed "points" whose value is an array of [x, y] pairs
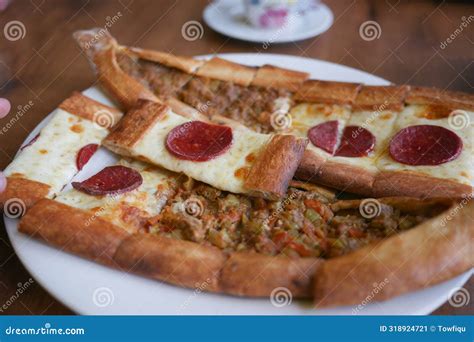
{"points": [[324, 136], [85, 154], [356, 141], [425, 145], [31, 142], [115, 180], [198, 141]]}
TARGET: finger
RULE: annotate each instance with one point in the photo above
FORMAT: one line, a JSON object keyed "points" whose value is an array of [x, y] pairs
{"points": [[3, 182], [5, 107]]}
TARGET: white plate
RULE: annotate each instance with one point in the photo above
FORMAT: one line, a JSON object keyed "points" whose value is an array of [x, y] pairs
{"points": [[227, 18], [89, 288]]}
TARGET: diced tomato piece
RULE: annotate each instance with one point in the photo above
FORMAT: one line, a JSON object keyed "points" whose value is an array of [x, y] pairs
{"points": [[320, 208], [301, 249]]}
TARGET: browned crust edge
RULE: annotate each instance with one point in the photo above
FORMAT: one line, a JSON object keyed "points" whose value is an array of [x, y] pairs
{"points": [[346, 177], [405, 183], [433, 96], [83, 106], [435, 251], [21, 194], [179, 262], [379, 98], [309, 166], [224, 70], [73, 230], [276, 77], [257, 275], [275, 166], [186, 64], [329, 92], [135, 124], [100, 48], [185, 110]]}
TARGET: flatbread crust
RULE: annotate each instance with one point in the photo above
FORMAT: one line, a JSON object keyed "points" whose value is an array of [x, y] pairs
{"points": [[275, 77], [23, 191], [257, 275], [378, 98], [87, 108], [224, 70], [407, 183], [100, 48], [433, 96], [346, 177], [73, 230], [278, 162], [186, 64], [329, 92], [134, 126], [434, 251], [178, 262]]}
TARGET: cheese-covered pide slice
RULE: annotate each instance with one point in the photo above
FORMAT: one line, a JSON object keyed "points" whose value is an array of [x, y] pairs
{"points": [[230, 158], [131, 209], [56, 154], [374, 110], [452, 176], [304, 117]]}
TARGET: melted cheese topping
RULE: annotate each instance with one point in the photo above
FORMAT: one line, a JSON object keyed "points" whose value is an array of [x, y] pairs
{"points": [[380, 124], [124, 209], [459, 169], [51, 159], [225, 172], [305, 116]]}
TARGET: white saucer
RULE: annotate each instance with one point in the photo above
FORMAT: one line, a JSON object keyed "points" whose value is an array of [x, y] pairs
{"points": [[227, 18]]}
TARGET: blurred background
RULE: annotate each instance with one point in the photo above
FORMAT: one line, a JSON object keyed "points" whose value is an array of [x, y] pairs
{"points": [[427, 43]]}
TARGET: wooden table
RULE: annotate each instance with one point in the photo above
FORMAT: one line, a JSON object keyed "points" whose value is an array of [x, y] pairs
{"points": [[45, 66]]}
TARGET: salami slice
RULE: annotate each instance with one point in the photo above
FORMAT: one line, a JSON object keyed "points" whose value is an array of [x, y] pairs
{"points": [[198, 141], [324, 136], [85, 154], [114, 180], [356, 141], [425, 145]]}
